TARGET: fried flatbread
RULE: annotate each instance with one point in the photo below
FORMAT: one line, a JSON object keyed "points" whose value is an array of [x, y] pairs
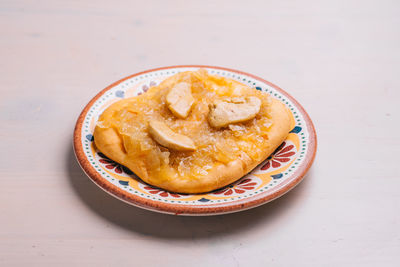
{"points": [[145, 133]]}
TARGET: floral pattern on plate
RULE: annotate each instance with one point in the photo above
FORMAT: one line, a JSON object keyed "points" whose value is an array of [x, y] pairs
{"points": [[246, 184], [282, 156]]}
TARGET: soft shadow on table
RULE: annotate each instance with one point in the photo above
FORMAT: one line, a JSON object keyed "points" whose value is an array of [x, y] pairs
{"points": [[179, 227]]}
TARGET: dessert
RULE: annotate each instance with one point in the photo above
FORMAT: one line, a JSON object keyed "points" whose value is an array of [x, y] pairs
{"points": [[194, 132]]}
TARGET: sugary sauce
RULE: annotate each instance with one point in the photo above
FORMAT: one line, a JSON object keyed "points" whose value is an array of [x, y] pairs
{"points": [[214, 146]]}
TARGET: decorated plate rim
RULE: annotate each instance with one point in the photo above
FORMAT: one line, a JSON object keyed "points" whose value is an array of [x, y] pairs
{"points": [[209, 209]]}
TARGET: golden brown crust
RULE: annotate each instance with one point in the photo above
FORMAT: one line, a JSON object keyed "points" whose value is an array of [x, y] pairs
{"points": [[110, 143]]}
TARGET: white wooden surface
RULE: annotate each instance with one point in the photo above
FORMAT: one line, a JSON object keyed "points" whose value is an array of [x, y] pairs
{"points": [[340, 59]]}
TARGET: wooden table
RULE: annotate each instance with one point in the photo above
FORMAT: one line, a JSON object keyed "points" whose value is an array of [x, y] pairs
{"points": [[340, 59]]}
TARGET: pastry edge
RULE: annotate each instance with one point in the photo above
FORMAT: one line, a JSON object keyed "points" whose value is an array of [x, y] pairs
{"points": [[221, 175]]}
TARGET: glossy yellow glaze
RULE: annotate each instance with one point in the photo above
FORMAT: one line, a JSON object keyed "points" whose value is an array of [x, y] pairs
{"points": [[124, 128]]}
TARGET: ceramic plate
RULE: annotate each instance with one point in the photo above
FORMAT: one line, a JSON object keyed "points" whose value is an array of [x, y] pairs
{"points": [[283, 170]]}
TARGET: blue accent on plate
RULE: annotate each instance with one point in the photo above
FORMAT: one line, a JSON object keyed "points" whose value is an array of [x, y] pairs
{"points": [[277, 176], [203, 199], [258, 88], [296, 130], [120, 94], [90, 137], [123, 182]]}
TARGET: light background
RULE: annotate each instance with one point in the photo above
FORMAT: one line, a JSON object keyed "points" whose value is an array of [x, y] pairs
{"points": [[339, 59]]}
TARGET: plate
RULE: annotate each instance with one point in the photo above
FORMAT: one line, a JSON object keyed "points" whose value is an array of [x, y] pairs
{"points": [[283, 170]]}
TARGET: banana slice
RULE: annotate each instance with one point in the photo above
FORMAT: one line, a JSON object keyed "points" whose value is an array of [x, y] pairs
{"points": [[180, 99], [163, 135], [233, 110]]}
